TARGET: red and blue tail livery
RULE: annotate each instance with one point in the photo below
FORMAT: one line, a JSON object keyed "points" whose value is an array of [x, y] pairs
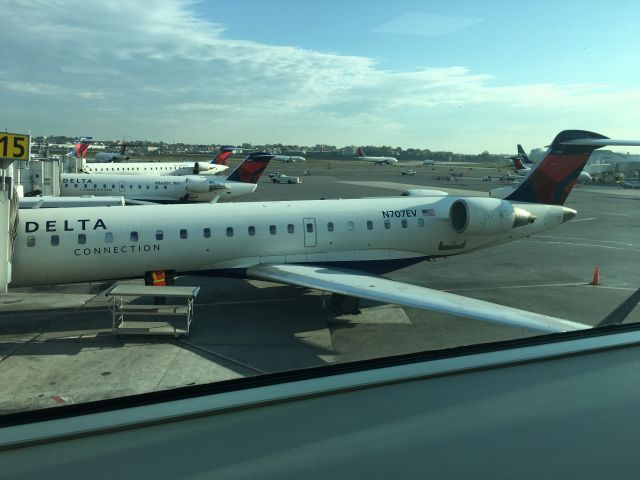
{"points": [[551, 182], [223, 154], [250, 170]]}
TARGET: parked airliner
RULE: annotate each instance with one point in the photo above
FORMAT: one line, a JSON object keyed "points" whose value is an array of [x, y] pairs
{"points": [[309, 243], [289, 158], [169, 188], [360, 155], [217, 165]]}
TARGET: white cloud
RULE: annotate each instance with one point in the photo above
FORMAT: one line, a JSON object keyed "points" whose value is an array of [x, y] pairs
{"points": [[426, 25], [155, 69]]}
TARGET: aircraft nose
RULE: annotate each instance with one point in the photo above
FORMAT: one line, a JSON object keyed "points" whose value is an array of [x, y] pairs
{"points": [[568, 214]]}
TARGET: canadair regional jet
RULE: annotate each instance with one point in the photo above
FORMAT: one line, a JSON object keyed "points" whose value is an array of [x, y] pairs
{"points": [[169, 188], [330, 245]]}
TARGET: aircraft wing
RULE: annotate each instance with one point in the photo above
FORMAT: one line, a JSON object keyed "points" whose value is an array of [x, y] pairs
{"points": [[362, 285]]}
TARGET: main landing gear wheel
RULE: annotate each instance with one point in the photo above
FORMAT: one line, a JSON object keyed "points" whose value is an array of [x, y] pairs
{"points": [[345, 304]]}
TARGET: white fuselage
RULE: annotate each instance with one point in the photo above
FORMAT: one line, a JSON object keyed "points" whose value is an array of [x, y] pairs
{"points": [[289, 158], [156, 188], [103, 243], [379, 160], [151, 168]]}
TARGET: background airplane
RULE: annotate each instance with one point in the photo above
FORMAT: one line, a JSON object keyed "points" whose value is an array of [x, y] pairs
{"points": [[360, 155], [289, 158], [169, 188], [217, 165]]}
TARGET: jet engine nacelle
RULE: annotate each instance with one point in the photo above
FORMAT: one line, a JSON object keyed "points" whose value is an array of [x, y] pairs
{"points": [[202, 167], [197, 185], [417, 192], [486, 216]]}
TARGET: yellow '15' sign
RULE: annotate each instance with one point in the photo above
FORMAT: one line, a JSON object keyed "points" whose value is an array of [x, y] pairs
{"points": [[14, 146]]}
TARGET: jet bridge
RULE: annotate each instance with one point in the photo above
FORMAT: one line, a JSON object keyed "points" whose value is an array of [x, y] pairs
{"points": [[12, 147]]}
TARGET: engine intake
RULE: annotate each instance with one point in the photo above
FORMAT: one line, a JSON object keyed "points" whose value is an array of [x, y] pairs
{"points": [[487, 216]]}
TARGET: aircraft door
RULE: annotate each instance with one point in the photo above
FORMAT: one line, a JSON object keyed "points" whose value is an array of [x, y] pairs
{"points": [[310, 238]]}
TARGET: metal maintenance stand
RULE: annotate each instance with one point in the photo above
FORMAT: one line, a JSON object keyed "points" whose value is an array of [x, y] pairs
{"points": [[178, 315]]}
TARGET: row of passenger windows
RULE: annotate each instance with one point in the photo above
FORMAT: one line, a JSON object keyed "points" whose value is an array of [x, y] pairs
{"points": [[113, 169], [104, 185], [206, 232]]}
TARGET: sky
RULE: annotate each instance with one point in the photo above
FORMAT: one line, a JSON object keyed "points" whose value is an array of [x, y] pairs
{"points": [[463, 76]]}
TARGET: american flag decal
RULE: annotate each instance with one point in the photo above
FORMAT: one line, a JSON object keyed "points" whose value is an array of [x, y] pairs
{"points": [[428, 212]]}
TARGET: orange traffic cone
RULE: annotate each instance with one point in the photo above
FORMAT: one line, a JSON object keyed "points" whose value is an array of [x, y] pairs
{"points": [[596, 277]]}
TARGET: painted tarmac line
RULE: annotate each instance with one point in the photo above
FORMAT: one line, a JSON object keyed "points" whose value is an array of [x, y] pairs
{"points": [[541, 285]]}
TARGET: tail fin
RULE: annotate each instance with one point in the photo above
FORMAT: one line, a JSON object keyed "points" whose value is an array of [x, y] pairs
{"points": [[360, 152], [80, 149], [523, 156], [552, 181], [223, 154], [250, 170], [518, 164]]}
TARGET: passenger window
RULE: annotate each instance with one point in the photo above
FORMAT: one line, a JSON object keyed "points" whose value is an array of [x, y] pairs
{"points": [[183, 233], [330, 226], [76, 185], [404, 223], [290, 228], [272, 229], [130, 186], [31, 241], [134, 236], [387, 224], [55, 240], [229, 231], [252, 230], [159, 234], [108, 237], [66, 185], [82, 238], [139, 187], [369, 225], [421, 222], [207, 232], [350, 226]]}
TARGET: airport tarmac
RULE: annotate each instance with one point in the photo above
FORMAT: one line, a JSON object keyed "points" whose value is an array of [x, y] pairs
{"points": [[56, 344]]}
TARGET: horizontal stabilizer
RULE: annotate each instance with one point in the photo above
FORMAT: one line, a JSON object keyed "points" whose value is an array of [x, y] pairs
{"points": [[357, 284], [602, 142]]}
